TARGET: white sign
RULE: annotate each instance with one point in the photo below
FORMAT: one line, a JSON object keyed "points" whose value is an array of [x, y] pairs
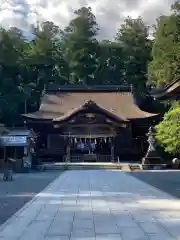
{"points": [[14, 140]]}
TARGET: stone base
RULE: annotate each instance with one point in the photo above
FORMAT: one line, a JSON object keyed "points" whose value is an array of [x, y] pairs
{"points": [[152, 160]]}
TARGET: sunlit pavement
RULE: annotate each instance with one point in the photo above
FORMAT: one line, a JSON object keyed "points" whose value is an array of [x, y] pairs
{"points": [[13, 195], [96, 205]]}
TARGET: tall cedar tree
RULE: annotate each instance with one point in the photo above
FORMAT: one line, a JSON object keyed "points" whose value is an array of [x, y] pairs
{"points": [[110, 63], [81, 47], [43, 58], [11, 48], [165, 66], [133, 36]]}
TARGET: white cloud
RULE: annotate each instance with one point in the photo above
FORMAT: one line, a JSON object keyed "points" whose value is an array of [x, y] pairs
{"points": [[110, 14]]}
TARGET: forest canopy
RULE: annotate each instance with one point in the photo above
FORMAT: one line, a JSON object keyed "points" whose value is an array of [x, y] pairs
{"points": [[74, 55]]}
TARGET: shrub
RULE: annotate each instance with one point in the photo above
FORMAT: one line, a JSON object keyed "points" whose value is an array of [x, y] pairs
{"points": [[168, 132]]}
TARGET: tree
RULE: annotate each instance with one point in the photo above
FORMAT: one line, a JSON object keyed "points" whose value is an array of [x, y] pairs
{"points": [[133, 36], [110, 63], [11, 47], [80, 45], [168, 131], [43, 59], [165, 65]]}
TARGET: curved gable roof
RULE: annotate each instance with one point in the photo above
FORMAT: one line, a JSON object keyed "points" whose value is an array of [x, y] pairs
{"points": [[170, 91], [63, 104], [89, 106]]}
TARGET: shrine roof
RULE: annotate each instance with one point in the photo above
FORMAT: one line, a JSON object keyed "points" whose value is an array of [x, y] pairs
{"points": [[87, 88], [167, 92], [115, 101]]}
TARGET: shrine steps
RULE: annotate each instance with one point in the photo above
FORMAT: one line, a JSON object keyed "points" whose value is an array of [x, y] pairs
{"points": [[125, 168], [135, 167], [90, 166], [131, 167], [80, 166]]}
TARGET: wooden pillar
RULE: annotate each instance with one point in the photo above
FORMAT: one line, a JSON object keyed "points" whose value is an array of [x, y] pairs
{"points": [[112, 150], [68, 150], [5, 156]]}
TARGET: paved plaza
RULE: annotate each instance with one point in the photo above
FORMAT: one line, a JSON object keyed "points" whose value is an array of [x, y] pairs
{"points": [[166, 180], [13, 195], [96, 205]]}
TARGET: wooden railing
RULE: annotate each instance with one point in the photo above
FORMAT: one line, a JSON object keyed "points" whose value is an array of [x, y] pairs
{"points": [[104, 158], [43, 152]]}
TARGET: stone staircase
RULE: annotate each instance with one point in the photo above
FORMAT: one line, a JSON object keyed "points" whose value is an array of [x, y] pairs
{"points": [[135, 167], [80, 166], [90, 166], [131, 167], [125, 167]]}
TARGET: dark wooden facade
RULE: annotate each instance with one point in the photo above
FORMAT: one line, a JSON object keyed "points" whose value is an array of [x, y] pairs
{"points": [[107, 116]]}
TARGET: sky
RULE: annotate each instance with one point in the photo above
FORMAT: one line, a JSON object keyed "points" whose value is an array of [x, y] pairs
{"points": [[110, 14]]}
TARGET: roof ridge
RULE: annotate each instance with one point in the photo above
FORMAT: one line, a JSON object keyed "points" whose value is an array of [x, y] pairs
{"points": [[87, 104], [88, 88]]}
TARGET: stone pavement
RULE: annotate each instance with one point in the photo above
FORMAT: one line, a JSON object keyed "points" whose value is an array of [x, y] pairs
{"points": [[166, 180], [13, 195], [96, 205]]}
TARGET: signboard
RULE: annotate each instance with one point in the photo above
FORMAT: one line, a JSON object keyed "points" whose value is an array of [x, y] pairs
{"points": [[13, 140]]}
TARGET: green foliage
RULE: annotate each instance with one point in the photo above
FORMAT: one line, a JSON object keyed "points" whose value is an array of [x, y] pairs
{"points": [[165, 66], [43, 59], [110, 63], [168, 132], [133, 36], [11, 46], [68, 56], [81, 46]]}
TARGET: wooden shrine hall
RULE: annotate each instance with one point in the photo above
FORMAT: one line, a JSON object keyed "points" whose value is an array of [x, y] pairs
{"points": [[94, 123]]}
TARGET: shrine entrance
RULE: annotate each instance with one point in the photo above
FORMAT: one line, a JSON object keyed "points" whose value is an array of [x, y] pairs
{"points": [[89, 135], [99, 148]]}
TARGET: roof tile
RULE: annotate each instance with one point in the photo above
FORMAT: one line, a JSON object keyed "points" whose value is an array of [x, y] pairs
{"points": [[120, 103]]}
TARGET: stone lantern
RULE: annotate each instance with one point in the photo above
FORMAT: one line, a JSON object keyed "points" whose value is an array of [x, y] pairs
{"points": [[152, 156]]}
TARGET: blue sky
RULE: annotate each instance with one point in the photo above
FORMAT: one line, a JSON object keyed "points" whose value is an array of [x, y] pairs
{"points": [[109, 13]]}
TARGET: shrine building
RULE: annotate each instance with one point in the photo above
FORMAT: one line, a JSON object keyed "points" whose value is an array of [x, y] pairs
{"points": [[90, 123], [168, 92]]}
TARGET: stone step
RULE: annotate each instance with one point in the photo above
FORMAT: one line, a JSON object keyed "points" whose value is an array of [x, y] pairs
{"points": [[80, 166], [135, 167], [125, 167]]}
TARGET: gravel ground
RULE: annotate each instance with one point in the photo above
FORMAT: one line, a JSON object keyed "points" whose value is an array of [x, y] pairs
{"points": [[166, 181], [13, 195]]}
